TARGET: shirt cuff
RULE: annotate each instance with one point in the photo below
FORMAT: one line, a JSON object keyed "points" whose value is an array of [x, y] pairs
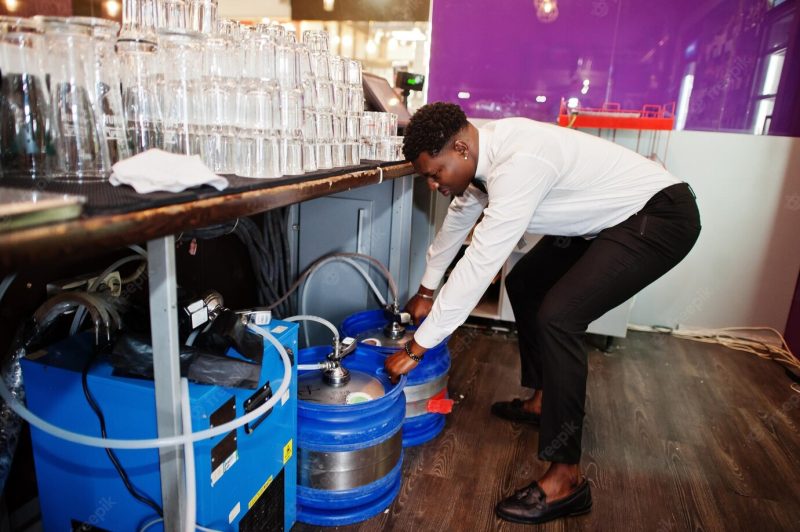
{"points": [[429, 336], [431, 278]]}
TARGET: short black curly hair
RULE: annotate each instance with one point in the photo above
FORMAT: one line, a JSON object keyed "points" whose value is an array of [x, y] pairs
{"points": [[431, 127]]}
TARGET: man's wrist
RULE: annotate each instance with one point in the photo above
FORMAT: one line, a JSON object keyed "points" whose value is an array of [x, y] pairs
{"points": [[414, 350], [425, 292]]}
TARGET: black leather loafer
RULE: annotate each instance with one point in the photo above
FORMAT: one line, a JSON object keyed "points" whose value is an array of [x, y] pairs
{"points": [[513, 411], [530, 506]]}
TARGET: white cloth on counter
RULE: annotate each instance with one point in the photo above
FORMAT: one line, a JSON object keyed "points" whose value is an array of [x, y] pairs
{"points": [[158, 170]]}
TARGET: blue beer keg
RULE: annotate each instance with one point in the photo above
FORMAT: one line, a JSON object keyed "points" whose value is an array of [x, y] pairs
{"points": [[350, 452], [426, 390]]}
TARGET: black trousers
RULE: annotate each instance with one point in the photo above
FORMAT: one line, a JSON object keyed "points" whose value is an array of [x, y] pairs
{"points": [[563, 284]]}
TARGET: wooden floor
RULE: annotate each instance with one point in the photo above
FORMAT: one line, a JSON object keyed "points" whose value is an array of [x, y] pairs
{"points": [[678, 436]]}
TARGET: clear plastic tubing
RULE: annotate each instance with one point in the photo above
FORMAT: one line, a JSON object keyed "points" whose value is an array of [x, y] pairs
{"points": [[171, 441]]}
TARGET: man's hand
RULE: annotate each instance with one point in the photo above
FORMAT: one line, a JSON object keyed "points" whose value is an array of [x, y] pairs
{"points": [[420, 305], [400, 363]]}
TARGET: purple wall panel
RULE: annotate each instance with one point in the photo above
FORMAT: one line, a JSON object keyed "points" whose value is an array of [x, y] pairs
{"points": [[633, 52], [792, 333]]}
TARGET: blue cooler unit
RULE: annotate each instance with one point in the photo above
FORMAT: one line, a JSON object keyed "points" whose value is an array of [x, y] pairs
{"points": [[349, 441], [246, 479], [426, 390]]}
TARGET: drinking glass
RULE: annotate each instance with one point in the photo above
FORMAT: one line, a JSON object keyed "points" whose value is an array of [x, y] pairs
{"points": [[173, 15], [309, 157], [180, 55], [140, 19], [139, 74], [355, 99], [352, 154], [338, 155], [308, 137], [352, 72], [291, 156], [230, 28], [180, 58], [316, 40], [323, 130], [287, 66], [368, 150], [338, 126], [202, 16], [291, 111], [352, 123], [260, 57], [221, 60], [368, 126], [258, 155], [339, 100], [397, 144], [337, 68], [384, 150], [321, 66], [26, 148], [390, 149], [385, 125], [81, 148], [106, 81], [323, 96], [324, 155]]}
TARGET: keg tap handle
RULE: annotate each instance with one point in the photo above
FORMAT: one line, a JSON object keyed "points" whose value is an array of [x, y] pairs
{"points": [[395, 329], [335, 374], [398, 316], [343, 348]]}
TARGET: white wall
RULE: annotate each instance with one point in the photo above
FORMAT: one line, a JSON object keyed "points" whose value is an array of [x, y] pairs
{"points": [[255, 9], [744, 267]]}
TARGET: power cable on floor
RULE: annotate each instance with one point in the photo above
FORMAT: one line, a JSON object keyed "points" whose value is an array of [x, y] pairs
{"points": [[739, 339]]}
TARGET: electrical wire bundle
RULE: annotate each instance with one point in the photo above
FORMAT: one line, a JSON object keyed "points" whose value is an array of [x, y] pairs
{"points": [[739, 339], [135, 492], [269, 257], [276, 233]]}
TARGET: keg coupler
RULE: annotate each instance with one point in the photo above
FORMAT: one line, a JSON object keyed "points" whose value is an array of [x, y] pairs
{"points": [[336, 374], [396, 329]]}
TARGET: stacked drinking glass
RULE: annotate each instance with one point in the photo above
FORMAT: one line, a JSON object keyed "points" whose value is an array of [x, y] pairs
{"points": [[251, 101], [379, 140], [332, 116]]}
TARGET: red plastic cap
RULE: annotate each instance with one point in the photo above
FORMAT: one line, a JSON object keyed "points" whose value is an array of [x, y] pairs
{"points": [[440, 404]]}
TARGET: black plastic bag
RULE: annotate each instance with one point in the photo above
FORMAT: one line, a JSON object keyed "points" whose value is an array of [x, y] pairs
{"points": [[227, 331], [132, 356]]}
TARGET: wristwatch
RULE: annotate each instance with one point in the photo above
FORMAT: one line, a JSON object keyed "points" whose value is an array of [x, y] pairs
{"points": [[411, 355]]}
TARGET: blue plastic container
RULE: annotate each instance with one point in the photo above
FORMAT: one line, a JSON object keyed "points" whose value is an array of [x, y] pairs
{"points": [[426, 389], [350, 456], [245, 479]]}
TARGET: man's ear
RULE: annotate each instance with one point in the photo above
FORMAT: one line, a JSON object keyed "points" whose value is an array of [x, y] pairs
{"points": [[461, 148]]}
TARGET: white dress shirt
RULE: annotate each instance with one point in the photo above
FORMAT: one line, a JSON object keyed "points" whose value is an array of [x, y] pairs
{"points": [[540, 178]]}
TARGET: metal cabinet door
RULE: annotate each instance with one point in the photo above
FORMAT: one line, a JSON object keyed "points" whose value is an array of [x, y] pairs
{"points": [[330, 225]]}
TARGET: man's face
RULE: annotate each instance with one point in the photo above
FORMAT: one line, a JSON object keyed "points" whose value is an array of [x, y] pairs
{"points": [[448, 172]]}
